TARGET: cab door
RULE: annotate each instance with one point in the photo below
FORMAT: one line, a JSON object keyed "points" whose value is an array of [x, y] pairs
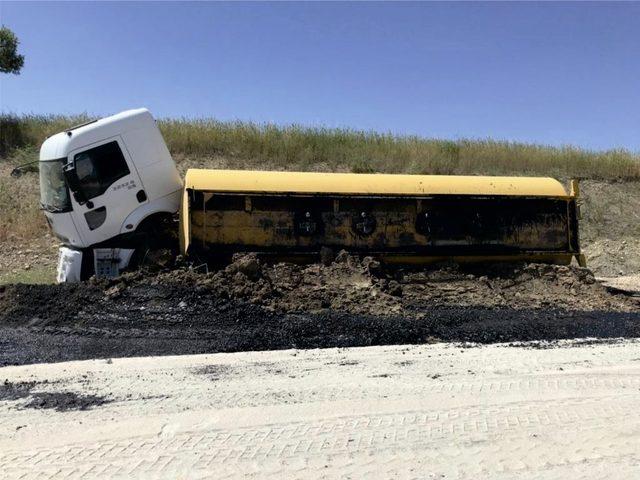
{"points": [[108, 189]]}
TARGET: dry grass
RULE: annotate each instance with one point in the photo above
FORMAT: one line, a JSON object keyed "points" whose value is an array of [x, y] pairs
{"points": [[294, 147], [20, 215], [250, 145]]}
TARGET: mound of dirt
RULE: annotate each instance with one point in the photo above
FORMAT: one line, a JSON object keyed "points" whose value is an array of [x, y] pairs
{"points": [[352, 285], [253, 305], [364, 286]]}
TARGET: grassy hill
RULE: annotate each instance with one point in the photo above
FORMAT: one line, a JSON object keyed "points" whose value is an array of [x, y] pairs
{"points": [[250, 145]]}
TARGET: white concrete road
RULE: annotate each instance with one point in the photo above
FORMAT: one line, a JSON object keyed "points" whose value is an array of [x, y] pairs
{"points": [[434, 411]]}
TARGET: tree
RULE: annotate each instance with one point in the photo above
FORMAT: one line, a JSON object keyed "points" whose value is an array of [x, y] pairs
{"points": [[10, 60]]}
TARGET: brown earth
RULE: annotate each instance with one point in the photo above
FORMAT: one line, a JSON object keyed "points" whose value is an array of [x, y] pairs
{"points": [[32, 261], [364, 286], [610, 227]]}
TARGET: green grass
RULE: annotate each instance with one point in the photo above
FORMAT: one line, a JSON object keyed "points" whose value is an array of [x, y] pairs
{"points": [[250, 145]]}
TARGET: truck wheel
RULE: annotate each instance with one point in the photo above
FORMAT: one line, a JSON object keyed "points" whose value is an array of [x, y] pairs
{"points": [[158, 247], [152, 259]]}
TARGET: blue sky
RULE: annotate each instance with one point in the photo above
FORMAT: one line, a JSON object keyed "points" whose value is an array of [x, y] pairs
{"points": [[553, 73]]}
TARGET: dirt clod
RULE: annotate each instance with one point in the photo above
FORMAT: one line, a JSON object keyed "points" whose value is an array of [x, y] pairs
{"points": [[246, 265]]}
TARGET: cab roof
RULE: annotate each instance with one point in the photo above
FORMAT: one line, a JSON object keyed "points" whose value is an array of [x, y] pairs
{"points": [[60, 144]]}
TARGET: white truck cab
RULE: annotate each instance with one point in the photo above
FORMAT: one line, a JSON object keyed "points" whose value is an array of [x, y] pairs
{"points": [[100, 183]]}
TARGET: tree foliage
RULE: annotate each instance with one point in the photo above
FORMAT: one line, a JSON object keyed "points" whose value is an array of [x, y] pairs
{"points": [[10, 60]]}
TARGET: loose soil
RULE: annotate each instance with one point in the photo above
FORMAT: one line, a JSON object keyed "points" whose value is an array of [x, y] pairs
{"points": [[610, 227], [253, 305], [364, 286], [31, 261]]}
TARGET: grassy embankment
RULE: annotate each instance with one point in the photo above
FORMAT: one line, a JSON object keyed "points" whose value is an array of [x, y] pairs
{"points": [[211, 143]]}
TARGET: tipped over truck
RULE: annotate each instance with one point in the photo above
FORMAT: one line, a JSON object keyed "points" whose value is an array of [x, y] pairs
{"points": [[111, 192]]}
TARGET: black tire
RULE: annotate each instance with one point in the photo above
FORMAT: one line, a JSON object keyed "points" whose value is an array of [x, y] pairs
{"points": [[157, 245]]}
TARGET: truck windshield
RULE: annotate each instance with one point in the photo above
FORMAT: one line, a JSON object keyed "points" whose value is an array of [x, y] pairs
{"points": [[54, 194]]}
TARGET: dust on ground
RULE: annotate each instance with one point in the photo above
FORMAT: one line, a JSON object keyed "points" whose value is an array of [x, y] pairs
{"points": [[611, 257], [398, 410]]}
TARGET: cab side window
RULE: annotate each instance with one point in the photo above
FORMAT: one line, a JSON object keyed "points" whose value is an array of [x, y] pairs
{"points": [[99, 167]]}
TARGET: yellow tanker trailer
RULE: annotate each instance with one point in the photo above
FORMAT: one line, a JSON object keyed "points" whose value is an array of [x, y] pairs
{"points": [[407, 218]]}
